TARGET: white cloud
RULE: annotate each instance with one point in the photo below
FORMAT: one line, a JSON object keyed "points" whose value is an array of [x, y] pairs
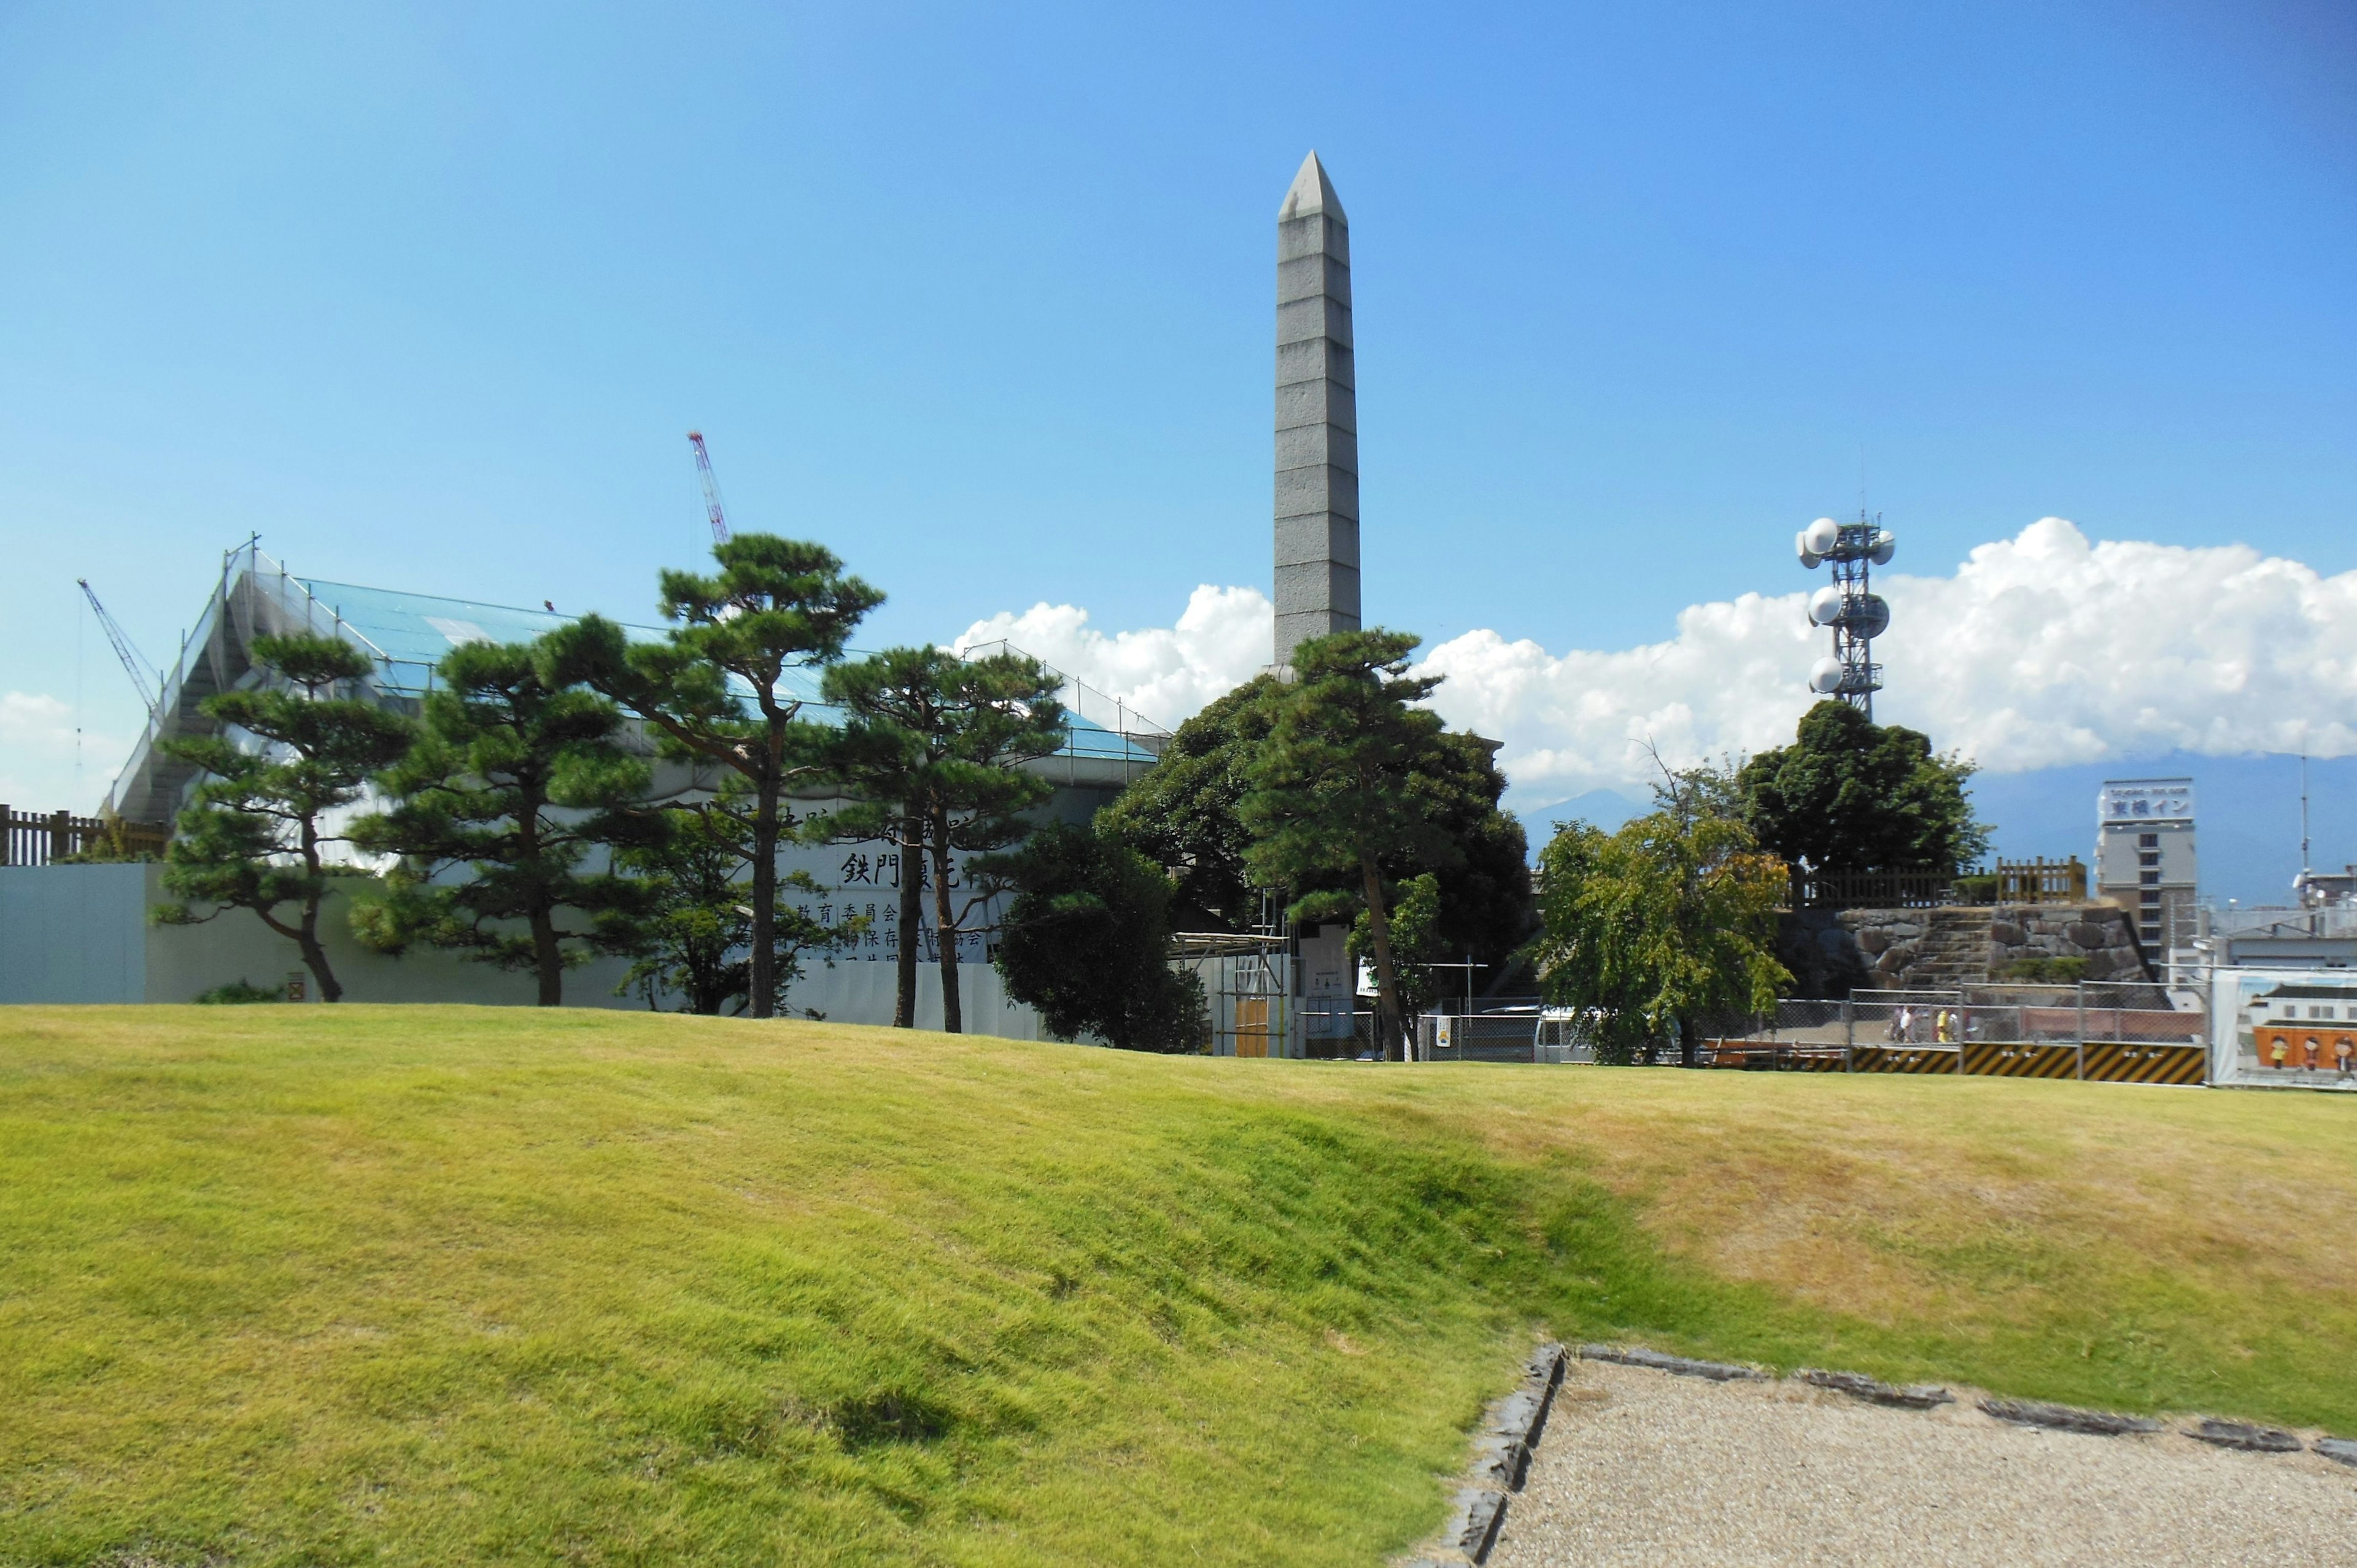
{"points": [[36, 755], [2041, 650], [1222, 640]]}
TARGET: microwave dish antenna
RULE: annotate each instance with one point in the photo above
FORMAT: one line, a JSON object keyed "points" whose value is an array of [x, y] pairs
{"points": [[1848, 605]]}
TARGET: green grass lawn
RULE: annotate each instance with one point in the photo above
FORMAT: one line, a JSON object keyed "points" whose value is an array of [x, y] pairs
{"points": [[447, 1284]]}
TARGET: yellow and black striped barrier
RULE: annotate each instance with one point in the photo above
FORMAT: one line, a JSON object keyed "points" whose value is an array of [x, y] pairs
{"points": [[2111, 1061], [2104, 1062], [1903, 1058], [2022, 1060]]}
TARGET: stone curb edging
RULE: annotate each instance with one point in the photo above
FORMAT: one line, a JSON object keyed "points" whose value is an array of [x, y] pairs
{"points": [[1914, 1396], [1718, 1371], [2340, 1450], [2243, 1435], [1502, 1460], [2067, 1418]]}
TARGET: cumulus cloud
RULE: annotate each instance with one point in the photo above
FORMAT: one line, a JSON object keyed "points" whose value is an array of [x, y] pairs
{"points": [[37, 751], [1222, 640], [2041, 650]]}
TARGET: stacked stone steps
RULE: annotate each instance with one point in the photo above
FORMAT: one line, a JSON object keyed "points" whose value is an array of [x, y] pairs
{"points": [[1954, 951]]}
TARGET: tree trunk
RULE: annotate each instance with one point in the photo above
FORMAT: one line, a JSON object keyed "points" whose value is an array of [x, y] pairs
{"points": [[945, 927], [912, 911], [547, 961], [763, 981], [547, 958], [315, 956], [1389, 1016]]}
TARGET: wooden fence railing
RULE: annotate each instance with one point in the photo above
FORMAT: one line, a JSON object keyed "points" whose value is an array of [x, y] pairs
{"points": [[28, 839], [2041, 881], [1870, 889]]}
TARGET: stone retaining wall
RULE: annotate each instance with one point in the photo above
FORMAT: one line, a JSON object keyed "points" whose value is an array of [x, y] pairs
{"points": [[1833, 952], [2100, 933]]}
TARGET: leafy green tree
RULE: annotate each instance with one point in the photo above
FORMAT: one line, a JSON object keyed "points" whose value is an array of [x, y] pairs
{"points": [[1850, 795], [1333, 791], [253, 836], [715, 688], [698, 929], [1415, 908], [932, 749], [1087, 941], [1482, 908], [1656, 928], [1185, 817], [1185, 814], [521, 779]]}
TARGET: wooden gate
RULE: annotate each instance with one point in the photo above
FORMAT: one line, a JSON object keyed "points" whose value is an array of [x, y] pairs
{"points": [[1252, 1027]]}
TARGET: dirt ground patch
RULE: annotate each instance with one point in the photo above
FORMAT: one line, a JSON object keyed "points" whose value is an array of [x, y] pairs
{"points": [[1639, 1467]]}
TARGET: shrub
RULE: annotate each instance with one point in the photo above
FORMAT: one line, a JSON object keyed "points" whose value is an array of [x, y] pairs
{"points": [[237, 992], [2051, 970]]}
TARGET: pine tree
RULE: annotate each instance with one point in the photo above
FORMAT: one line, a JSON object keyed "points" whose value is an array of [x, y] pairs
{"points": [[698, 929], [887, 756], [931, 750], [1333, 788], [716, 687], [1003, 712], [254, 834], [521, 779]]}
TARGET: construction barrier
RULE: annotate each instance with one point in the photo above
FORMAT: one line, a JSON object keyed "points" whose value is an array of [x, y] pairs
{"points": [[1757, 1056], [1903, 1058], [2022, 1060], [2111, 1061]]}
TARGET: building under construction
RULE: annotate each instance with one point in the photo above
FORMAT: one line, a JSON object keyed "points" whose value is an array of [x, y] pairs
{"points": [[86, 936]]}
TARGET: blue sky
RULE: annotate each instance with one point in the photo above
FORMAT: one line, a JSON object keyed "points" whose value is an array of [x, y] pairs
{"points": [[982, 297]]}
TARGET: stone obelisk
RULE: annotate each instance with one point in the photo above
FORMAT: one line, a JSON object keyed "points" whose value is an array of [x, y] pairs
{"points": [[1316, 417]]}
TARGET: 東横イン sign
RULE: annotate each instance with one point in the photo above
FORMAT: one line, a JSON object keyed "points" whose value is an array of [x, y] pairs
{"points": [[2146, 799]]}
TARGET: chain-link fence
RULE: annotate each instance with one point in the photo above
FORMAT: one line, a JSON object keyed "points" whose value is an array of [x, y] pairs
{"points": [[1513, 1033], [2115, 1032]]}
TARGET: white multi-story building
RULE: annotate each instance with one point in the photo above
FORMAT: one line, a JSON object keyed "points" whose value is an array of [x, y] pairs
{"points": [[2144, 854]]}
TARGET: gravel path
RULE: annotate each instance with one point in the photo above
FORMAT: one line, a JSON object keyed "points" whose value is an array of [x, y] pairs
{"points": [[1639, 1467]]}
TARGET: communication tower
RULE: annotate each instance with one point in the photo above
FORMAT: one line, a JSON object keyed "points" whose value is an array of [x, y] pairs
{"points": [[1848, 605]]}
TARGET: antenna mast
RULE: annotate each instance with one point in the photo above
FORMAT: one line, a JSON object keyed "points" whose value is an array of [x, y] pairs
{"points": [[144, 675], [1848, 605], [711, 489]]}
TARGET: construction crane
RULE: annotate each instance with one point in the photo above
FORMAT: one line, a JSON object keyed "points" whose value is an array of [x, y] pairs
{"points": [[711, 489], [144, 675]]}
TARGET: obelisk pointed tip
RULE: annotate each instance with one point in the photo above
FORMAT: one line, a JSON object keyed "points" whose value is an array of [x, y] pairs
{"points": [[1312, 193]]}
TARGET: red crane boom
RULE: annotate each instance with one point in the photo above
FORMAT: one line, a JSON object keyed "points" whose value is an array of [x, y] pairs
{"points": [[711, 489]]}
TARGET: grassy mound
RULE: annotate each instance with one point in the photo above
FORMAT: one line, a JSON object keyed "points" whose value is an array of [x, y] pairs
{"points": [[447, 1284]]}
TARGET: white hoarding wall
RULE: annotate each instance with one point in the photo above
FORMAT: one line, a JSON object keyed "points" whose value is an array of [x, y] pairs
{"points": [[2284, 1028], [81, 934], [861, 877]]}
